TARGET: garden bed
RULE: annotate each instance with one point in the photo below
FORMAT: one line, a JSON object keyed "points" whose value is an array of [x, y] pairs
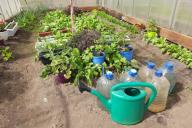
{"points": [[26, 100], [77, 52]]}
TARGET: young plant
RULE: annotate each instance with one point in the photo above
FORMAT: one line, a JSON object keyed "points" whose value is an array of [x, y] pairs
{"points": [[26, 20], [114, 20], [176, 51], [2, 26], [5, 53], [54, 21]]}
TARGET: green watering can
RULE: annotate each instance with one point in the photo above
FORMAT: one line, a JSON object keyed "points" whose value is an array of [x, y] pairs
{"points": [[127, 104]]}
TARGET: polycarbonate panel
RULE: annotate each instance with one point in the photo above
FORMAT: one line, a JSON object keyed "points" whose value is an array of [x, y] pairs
{"points": [[161, 11], [126, 7], [30, 4], [183, 20], [9, 8], [86, 3], [141, 9], [116, 5], [51, 4], [108, 3], [100, 2], [58, 3]]}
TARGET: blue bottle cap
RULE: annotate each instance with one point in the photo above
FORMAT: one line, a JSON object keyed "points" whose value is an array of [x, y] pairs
{"points": [[109, 75], [169, 66], [150, 65], [158, 73], [132, 72]]}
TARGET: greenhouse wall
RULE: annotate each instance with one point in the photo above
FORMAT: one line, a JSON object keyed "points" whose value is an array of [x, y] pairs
{"points": [[51, 4], [9, 8], [172, 14]]}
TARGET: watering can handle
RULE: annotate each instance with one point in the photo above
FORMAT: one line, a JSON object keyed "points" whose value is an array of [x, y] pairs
{"points": [[138, 84]]}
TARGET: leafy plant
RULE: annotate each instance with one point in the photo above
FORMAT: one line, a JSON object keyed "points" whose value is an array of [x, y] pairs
{"points": [[97, 53], [75, 58], [28, 20], [114, 20], [151, 26], [176, 51], [2, 26], [5, 53], [54, 21]]}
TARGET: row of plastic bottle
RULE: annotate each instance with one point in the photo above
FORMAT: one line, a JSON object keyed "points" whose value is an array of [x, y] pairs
{"points": [[163, 79]]}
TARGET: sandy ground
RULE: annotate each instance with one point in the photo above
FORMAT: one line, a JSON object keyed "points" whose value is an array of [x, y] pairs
{"points": [[27, 101]]}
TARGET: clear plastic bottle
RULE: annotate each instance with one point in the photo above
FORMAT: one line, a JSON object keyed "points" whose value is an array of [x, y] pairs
{"points": [[146, 72], [104, 84], [129, 76], [168, 72], [162, 86]]}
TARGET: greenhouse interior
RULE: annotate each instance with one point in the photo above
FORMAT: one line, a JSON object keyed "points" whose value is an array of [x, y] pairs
{"points": [[91, 63]]}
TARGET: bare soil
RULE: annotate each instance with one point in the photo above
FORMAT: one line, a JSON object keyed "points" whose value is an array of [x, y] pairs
{"points": [[27, 101]]}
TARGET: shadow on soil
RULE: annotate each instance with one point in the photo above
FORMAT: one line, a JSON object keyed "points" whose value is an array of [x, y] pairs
{"points": [[173, 99], [65, 107], [12, 84], [22, 36], [20, 45]]}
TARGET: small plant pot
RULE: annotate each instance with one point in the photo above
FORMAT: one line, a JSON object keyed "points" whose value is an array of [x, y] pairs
{"points": [[127, 54], [99, 59], [43, 34], [12, 28], [4, 35], [60, 79], [43, 58]]}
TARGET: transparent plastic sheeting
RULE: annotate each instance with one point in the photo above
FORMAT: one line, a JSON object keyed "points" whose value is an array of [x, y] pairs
{"points": [[161, 11], [183, 18], [172, 14], [9, 8], [52, 4]]}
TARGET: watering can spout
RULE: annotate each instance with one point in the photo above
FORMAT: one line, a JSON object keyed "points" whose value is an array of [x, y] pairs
{"points": [[83, 87]]}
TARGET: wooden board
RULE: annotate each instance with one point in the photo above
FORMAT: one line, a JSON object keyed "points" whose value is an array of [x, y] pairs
{"points": [[127, 19], [181, 39], [89, 8]]}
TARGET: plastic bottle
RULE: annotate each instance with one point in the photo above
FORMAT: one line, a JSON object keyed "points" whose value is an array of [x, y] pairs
{"points": [[104, 84], [162, 86], [129, 76], [146, 72], [168, 72]]}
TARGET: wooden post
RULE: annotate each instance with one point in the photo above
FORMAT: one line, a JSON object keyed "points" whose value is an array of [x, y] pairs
{"points": [[72, 17]]}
